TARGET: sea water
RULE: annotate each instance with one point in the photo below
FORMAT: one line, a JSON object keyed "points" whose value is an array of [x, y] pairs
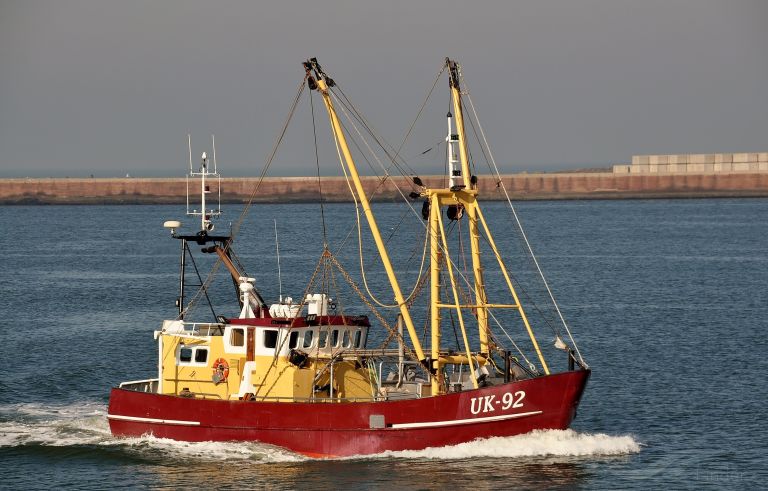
{"points": [[667, 301]]}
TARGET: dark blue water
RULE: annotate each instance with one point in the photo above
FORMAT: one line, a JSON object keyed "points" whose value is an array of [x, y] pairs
{"points": [[667, 300]]}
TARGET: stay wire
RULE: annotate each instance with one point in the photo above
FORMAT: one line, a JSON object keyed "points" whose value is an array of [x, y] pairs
{"points": [[359, 231], [394, 157], [268, 163], [348, 108], [317, 163], [520, 227], [235, 229], [418, 115], [344, 100]]}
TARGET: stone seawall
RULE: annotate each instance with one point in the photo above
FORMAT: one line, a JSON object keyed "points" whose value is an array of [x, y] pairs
{"points": [[302, 189]]}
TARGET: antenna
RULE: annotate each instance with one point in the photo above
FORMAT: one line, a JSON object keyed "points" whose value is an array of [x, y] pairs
{"points": [[189, 150], [204, 174], [279, 276], [215, 168], [203, 190], [213, 147]]}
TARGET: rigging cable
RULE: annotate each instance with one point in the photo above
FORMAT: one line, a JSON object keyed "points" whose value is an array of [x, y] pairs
{"points": [[418, 115], [447, 257], [262, 175], [468, 300], [459, 273], [546, 316], [238, 223], [520, 227], [317, 163], [344, 107], [397, 153], [359, 227], [357, 210]]}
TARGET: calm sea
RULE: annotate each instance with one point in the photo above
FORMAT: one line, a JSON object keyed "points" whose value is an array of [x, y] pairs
{"points": [[667, 300]]}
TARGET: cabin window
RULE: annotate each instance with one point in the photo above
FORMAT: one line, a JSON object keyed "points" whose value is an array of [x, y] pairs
{"points": [[185, 355], [270, 338], [201, 355], [335, 338], [237, 337], [323, 339], [308, 335], [346, 342], [294, 340], [358, 338], [193, 355]]}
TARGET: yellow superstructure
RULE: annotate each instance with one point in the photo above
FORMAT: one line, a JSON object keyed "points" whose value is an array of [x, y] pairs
{"points": [[224, 361]]}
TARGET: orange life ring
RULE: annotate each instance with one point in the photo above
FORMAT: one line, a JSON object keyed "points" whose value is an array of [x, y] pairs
{"points": [[220, 371]]}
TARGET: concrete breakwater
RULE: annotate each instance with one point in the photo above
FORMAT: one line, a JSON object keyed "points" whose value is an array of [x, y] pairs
{"points": [[696, 163], [586, 185]]}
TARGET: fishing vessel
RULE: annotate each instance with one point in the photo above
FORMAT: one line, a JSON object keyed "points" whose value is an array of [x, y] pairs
{"points": [[305, 374]]}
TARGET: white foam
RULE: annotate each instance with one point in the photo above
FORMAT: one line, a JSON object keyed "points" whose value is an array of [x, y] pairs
{"points": [[52, 425], [206, 451], [538, 443], [86, 425]]}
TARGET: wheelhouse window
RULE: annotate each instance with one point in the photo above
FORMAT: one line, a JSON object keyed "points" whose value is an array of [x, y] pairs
{"points": [[346, 342], [293, 342], [335, 338], [270, 338], [237, 337], [308, 335], [323, 343], [358, 338]]}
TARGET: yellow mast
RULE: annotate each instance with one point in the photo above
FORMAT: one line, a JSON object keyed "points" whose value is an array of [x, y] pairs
{"points": [[466, 196], [322, 87], [434, 270], [474, 233]]}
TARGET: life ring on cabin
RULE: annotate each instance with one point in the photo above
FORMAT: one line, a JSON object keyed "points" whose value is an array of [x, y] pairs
{"points": [[220, 371]]}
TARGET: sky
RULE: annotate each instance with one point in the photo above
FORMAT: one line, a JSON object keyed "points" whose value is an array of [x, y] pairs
{"points": [[109, 88]]}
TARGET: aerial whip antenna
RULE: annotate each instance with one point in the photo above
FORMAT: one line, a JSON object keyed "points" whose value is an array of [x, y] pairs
{"points": [[279, 276]]}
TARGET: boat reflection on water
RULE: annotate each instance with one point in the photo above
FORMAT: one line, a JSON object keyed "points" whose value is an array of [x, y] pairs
{"points": [[376, 472]]}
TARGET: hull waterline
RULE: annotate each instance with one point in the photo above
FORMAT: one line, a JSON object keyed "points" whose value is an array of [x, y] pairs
{"points": [[355, 428]]}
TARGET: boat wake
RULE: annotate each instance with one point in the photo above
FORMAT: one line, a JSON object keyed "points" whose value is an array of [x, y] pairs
{"points": [[83, 428], [538, 443]]}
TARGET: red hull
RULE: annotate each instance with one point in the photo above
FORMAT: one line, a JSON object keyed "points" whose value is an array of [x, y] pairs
{"points": [[340, 429]]}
